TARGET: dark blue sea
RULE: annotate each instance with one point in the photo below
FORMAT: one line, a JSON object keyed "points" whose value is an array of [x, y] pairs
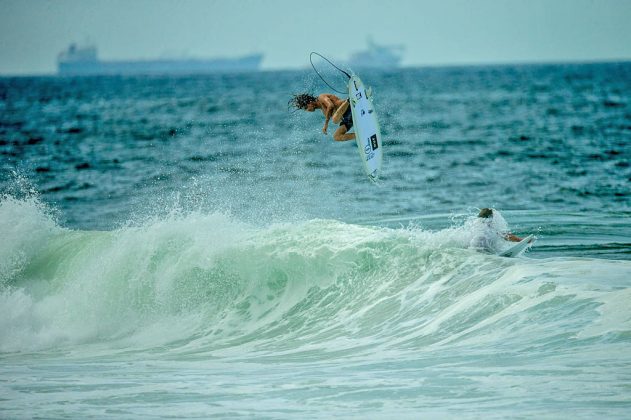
{"points": [[190, 247]]}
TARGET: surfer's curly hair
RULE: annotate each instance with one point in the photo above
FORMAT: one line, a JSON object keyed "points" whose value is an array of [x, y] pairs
{"points": [[301, 100]]}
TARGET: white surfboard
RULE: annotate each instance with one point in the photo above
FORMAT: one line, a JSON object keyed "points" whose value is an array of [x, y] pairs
{"points": [[367, 132], [519, 247]]}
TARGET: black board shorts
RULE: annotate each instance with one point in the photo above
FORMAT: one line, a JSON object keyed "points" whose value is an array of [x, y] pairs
{"points": [[347, 118]]}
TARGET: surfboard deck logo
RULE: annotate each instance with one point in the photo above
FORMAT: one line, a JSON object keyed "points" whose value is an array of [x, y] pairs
{"points": [[367, 131], [373, 142]]}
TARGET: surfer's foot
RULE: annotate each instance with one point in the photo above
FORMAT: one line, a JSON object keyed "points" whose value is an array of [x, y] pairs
{"points": [[343, 137], [337, 116]]}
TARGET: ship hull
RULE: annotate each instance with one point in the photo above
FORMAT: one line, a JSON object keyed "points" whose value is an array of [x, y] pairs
{"points": [[155, 67]]}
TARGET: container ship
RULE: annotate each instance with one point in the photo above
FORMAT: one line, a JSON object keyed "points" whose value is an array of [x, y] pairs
{"points": [[84, 61]]}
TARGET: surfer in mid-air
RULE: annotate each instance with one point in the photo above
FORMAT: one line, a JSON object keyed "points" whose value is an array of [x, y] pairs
{"points": [[333, 108]]}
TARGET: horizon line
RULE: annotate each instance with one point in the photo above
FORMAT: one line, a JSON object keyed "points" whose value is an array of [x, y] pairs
{"points": [[453, 64]]}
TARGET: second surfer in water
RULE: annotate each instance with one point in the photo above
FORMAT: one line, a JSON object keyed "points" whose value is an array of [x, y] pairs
{"points": [[333, 108], [489, 229]]}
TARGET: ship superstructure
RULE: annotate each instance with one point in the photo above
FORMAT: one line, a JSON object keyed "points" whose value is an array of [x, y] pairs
{"points": [[377, 56]]}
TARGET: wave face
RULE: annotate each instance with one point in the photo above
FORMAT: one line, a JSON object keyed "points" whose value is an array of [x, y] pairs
{"points": [[209, 282]]}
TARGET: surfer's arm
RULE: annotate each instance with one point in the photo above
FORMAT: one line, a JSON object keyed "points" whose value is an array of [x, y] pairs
{"points": [[512, 238], [327, 109], [339, 112]]}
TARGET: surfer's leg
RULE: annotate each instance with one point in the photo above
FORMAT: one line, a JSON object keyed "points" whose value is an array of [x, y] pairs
{"points": [[341, 134], [339, 113]]}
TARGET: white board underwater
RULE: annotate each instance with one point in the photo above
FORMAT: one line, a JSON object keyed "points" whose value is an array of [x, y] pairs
{"points": [[367, 132], [519, 247]]}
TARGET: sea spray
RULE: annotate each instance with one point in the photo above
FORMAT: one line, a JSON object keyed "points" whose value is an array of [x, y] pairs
{"points": [[26, 225]]}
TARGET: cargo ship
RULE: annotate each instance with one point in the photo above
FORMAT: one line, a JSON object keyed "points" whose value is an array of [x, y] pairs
{"points": [[84, 61]]}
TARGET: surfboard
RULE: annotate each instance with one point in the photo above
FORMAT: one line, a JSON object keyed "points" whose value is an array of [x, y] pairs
{"points": [[519, 247], [367, 131]]}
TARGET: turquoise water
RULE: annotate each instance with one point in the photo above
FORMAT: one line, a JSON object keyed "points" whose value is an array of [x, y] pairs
{"points": [[186, 247]]}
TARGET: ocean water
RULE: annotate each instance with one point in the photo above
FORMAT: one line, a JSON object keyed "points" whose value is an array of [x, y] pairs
{"points": [[189, 247]]}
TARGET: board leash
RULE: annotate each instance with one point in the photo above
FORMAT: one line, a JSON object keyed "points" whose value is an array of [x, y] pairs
{"points": [[328, 61]]}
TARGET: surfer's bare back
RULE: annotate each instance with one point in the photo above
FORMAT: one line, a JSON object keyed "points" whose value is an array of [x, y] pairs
{"points": [[333, 108]]}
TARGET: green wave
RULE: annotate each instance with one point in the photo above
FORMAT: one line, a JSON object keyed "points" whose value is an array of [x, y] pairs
{"points": [[206, 283]]}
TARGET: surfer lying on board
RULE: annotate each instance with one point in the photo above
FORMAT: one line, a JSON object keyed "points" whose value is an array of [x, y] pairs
{"points": [[333, 108], [489, 229]]}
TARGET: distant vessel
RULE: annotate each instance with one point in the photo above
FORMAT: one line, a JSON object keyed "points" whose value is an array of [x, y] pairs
{"points": [[84, 61], [377, 56]]}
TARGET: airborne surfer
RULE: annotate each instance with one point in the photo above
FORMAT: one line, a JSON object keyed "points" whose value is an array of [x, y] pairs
{"points": [[333, 108], [356, 112]]}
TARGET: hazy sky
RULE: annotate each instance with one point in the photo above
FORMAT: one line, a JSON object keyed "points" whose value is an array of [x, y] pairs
{"points": [[32, 32]]}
